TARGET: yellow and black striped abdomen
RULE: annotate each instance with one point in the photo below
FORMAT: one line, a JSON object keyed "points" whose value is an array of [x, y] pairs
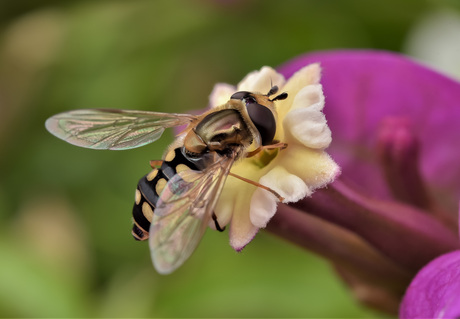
{"points": [[150, 187]]}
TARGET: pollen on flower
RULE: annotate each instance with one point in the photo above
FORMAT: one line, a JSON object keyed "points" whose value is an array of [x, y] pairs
{"points": [[294, 172]]}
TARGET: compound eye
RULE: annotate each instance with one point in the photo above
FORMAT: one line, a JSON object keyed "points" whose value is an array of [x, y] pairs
{"points": [[240, 95], [263, 119], [249, 100], [244, 96]]}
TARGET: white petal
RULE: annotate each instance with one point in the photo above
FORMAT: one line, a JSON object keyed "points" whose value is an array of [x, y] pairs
{"points": [[310, 96], [314, 167], [239, 239], [242, 231], [435, 40], [261, 81], [288, 185], [226, 204], [263, 207], [220, 94], [235, 199], [305, 122], [308, 76], [263, 203], [309, 127]]}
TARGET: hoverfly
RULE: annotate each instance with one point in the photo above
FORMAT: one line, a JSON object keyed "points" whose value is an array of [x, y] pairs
{"points": [[174, 203]]}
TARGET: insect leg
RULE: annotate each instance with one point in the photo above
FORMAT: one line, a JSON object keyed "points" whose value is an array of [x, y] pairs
{"points": [[280, 198], [279, 145], [214, 218], [155, 163]]}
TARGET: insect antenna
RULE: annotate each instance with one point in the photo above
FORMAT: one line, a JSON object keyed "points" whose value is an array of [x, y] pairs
{"points": [[273, 90], [281, 96]]}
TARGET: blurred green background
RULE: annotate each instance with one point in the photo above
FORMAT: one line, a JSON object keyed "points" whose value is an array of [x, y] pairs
{"points": [[65, 212]]}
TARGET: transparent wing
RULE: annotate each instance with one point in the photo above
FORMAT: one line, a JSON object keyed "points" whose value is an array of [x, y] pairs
{"points": [[112, 129], [183, 213]]}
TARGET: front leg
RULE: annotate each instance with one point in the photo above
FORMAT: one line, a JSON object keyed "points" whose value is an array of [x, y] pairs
{"points": [[279, 145]]}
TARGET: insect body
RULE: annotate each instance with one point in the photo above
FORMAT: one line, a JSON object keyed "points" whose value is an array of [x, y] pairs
{"points": [[215, 137], [174, 203]]}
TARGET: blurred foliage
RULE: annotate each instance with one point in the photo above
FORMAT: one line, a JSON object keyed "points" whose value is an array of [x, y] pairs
{"points": [[65, 243]]}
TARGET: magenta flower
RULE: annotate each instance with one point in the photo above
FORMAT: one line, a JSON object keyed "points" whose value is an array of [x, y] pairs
{"points": [[435, 291], [395, 127]]}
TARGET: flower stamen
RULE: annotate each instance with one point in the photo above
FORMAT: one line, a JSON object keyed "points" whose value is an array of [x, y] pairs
{"points": [[398, 150]]}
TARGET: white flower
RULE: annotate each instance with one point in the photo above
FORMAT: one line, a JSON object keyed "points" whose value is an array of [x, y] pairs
{"points": [[435, 40], [294, 172]]}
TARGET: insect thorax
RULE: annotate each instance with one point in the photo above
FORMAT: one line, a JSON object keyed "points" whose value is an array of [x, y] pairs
{"points": [[223, 132]]}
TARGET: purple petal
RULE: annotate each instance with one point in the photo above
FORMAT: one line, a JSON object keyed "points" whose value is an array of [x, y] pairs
{"points": [[362, 89], [435, 291]]}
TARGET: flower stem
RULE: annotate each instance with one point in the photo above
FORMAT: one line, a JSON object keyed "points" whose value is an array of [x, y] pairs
{"points": [[341, 246], [408, 236]]}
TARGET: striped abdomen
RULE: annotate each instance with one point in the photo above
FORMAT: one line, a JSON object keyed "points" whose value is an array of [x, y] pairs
{"points": [[149, 189]]}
